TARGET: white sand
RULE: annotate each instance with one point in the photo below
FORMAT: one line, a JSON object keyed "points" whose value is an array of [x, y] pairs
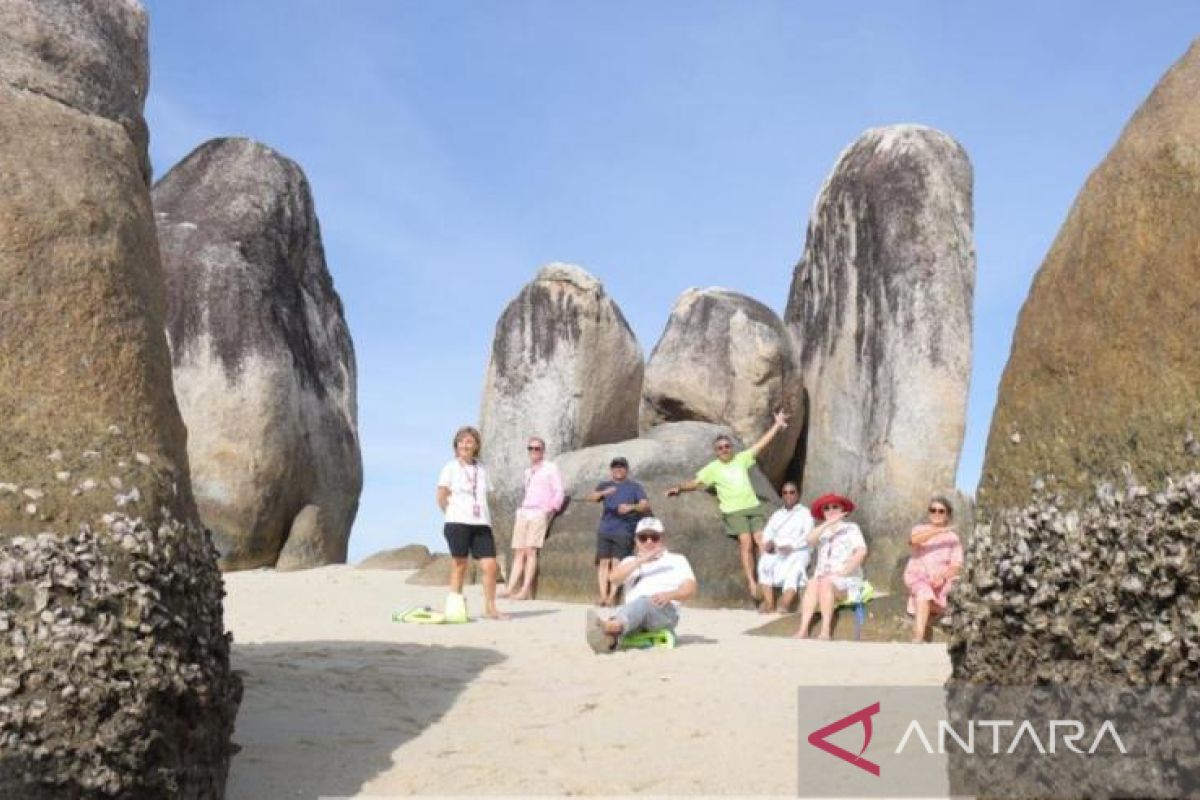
{"points": [[341, 701]]}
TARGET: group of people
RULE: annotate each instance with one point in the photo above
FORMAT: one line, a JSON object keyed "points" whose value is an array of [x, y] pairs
{"points": [[776, 552]]}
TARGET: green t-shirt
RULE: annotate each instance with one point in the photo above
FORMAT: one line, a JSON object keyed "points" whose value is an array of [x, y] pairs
{"points": [[731, 479]]}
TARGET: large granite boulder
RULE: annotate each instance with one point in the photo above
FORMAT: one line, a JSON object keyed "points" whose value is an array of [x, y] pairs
{"points": [[726, 358], [114, 664], [411, 556], [880, 306], [263, 363], [565, 366], [665, 456], [1104, 369]]}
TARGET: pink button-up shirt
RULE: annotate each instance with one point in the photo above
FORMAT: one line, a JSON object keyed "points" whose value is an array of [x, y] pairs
{"points": [[543, 489]]}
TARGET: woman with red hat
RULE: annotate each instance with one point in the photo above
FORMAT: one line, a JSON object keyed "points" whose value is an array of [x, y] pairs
{"points": [[840, 552]]}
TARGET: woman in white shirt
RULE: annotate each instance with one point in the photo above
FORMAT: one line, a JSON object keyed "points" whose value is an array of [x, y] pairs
{"points": [[462, 494], [840, 553]]}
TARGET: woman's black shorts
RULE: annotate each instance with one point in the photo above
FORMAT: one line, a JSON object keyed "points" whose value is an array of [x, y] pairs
{"points": [[474, 540]]}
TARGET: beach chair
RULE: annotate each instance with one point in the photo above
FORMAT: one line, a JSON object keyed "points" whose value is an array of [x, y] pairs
{"points": [[859, 606]]}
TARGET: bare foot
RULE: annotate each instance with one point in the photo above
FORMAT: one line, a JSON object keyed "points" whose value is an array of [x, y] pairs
{"points": [[521, 595], [825, 637], [503, 591], [496, 614]]}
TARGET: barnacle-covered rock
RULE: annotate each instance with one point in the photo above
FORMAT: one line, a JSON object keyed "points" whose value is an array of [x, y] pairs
{"points": [[101, 671]]}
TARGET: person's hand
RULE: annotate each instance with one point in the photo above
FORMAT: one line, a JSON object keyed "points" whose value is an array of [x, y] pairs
{"points": [[661, 599], [781, 419], [768, 547], [609, 492], [937, 581], [625, 508], [673, 491], [785, 549], [652, 555]]}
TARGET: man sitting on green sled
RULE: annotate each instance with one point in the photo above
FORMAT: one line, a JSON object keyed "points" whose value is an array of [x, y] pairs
{"points": [[656, 582]]}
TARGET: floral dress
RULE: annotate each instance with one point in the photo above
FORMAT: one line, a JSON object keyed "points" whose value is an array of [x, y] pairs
{"points": [[928, 560]]}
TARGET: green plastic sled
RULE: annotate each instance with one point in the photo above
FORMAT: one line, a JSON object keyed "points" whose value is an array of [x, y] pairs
{"points": [[646, 640]]}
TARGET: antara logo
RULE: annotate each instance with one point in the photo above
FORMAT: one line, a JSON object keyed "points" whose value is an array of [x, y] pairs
{"points": [[820, 738]]}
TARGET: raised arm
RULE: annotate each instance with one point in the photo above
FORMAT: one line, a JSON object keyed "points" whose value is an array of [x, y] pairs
{"points": [[781, 420], [598, 495], [621, 572], [686, 486]]}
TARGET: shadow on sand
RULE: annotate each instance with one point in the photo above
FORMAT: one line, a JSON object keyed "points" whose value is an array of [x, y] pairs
{"points": [[323, 718]]}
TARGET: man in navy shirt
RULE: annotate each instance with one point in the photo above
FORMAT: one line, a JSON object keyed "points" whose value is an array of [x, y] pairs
{"points": [[625, 502]]}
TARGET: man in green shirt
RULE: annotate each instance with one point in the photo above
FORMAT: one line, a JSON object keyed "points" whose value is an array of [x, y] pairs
{"points": [[744, 516]]}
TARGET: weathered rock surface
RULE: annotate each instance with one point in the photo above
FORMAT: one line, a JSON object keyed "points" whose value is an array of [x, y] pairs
{"points": [[880, 306], [1104, 369], [664, 457], [726, 358], [565, 366], [91, 57], [263, 362], [114, 665], [413, 556]]}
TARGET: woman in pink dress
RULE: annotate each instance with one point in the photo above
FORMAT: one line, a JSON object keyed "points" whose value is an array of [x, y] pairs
{"points": [[937, 558]]}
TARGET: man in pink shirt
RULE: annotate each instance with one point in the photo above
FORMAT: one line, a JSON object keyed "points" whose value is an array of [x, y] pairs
{"points": [[543, 499]]}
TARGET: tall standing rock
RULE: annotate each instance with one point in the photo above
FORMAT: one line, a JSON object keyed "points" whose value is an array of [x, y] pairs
{"points": [[1104, 369], [263, 362], [726, 358], [565, 366], [880, 306], [114, 664]]}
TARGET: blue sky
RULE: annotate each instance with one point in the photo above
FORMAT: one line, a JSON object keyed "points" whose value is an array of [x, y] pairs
{"points": [[455, 147]]}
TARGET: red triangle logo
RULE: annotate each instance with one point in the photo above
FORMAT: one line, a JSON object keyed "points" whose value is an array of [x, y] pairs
{"points": [[820, 737]]}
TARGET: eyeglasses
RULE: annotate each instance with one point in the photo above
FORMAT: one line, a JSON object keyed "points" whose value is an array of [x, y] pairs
{"points": [[721, 448], [939, 511], [534, 447], [648, 537]]}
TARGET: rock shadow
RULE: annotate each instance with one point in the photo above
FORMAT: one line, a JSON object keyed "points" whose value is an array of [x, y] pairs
{"points": [[324, 717]]}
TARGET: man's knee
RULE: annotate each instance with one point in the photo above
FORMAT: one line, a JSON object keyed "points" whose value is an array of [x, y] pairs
{"points": [[489, 566]]}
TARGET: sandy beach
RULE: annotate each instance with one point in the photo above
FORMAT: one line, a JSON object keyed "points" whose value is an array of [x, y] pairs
{"points": [[341, 701]]}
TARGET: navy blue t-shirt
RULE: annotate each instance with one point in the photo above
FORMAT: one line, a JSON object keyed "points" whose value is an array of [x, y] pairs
{"points": [[612, 523]]}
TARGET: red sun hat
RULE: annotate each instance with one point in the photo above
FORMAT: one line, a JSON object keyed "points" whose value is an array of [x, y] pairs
{"points": [[818, 506]]}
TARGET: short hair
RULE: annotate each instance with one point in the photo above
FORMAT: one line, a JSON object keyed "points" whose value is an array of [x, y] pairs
{"points": [[724, 437], [937, 498], [791, 484], [537, 439], [467, 430]]}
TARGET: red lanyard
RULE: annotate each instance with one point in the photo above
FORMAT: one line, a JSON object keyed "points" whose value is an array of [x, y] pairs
{"points": [[473, 478]]}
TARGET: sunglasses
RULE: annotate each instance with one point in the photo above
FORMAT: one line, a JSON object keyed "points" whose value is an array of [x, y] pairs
{"points": [[721, 448], [534, 448], [939, 511], [648, 537]]}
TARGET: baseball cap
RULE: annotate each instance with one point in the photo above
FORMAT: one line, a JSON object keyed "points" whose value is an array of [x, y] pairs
{"points": [[619, 461], [649, 524]]}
